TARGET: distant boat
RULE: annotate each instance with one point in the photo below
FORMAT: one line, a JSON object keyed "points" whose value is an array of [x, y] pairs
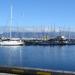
{"points": [[61, 40], [11, 41]]}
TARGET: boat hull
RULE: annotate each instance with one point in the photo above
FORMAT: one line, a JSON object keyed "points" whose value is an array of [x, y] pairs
{"points": [[11, 43]]}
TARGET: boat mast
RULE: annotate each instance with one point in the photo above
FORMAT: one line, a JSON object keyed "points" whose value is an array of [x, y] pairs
{"points": [[10, 21]]}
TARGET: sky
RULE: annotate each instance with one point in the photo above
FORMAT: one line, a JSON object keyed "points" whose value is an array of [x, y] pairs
{"points": [[37, 13]]}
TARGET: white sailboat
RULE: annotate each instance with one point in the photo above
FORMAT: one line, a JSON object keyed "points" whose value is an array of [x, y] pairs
{"points": [[11, 41]]}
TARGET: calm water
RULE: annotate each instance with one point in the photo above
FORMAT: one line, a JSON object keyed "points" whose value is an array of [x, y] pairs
{"points": [[48, 57]]}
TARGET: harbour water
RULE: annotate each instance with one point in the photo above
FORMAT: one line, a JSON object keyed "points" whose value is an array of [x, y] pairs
{"points": [[44, 57]]}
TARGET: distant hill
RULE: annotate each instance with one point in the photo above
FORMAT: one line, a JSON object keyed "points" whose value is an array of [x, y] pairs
{"points": [[38, 34]]}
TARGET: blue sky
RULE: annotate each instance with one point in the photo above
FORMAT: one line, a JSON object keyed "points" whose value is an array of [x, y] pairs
{"points": [[30, 13]]}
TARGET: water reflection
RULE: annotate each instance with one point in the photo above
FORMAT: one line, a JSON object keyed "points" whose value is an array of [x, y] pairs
{"points": [[48, 57], [11, 55]]}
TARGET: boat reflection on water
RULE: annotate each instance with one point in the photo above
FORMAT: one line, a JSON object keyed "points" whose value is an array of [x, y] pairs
{"points": [[12, 55], [45, 57]]}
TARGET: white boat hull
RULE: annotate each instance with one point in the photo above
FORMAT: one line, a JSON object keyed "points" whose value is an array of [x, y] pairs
{"points": [[11, 43]]}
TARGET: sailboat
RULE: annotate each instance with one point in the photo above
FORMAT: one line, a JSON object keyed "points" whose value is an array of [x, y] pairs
{"points": [[11, 41]]}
